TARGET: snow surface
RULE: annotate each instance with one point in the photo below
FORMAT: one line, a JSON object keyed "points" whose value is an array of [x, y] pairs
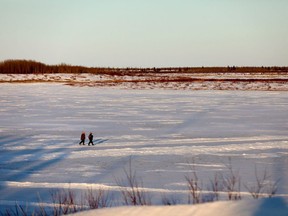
{"points": [[164, 132], [263, 207]]}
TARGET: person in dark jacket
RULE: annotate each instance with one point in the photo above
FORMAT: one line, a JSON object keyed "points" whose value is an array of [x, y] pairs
{"points": [[90, 137], [82, 138]]}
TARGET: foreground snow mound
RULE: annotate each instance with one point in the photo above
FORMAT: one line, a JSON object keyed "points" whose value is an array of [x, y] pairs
{"points": [[263, 207]]}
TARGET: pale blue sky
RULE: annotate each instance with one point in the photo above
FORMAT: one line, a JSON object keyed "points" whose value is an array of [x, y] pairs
{"points": [[146, 33]]}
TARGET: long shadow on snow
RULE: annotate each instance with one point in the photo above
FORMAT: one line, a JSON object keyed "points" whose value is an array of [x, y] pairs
{"points": [[11, 140], [99, 141], [33, 163], [29, 169], [9, 151]]}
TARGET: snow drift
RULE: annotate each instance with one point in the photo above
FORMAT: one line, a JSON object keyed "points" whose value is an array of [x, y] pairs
{"points": [[263, 207]]}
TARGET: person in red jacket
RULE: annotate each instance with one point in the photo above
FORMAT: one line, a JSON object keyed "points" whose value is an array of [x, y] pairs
{"points": [[82, 138]]}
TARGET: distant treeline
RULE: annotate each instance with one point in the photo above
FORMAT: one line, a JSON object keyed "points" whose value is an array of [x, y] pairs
{"points": [[34, 67]]}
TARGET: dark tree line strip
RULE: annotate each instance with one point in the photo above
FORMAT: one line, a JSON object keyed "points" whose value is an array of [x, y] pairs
{"points": [[34, 67]]}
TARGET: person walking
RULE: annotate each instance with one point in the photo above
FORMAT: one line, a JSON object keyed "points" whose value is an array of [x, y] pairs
{"points": [[82, 138], [90, 137]]}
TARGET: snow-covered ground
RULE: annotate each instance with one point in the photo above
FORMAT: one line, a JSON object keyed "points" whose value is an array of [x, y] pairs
{"points": [[165, 133], [263, 207]]}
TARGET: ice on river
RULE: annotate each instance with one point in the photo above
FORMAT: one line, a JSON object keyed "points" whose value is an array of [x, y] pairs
{"points": [[166, 134]]}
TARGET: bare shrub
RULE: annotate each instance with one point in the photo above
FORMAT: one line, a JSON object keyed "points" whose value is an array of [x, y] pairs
{"points": [[194, 188], [272, 188], [64, 202], [98, 199], [171, 200], [216, 186], [40, 211], [263, 185], [19, 211], [132, 188], [232, 183]]}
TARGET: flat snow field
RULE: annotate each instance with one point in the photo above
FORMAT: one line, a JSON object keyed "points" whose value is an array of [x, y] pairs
{"points": [[166, 134]]}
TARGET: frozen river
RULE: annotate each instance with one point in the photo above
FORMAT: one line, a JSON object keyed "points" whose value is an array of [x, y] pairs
{"points": [[163, 132]]}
